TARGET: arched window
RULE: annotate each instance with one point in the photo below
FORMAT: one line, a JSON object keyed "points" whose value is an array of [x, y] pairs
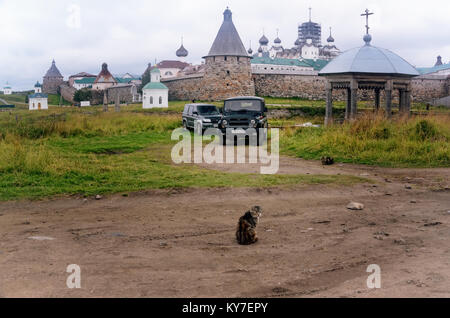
{"points": [[160, 100], [168, 73], [151, 99]]}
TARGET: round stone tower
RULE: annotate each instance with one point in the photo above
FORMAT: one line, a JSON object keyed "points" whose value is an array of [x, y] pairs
{"points": [[227, 66]]}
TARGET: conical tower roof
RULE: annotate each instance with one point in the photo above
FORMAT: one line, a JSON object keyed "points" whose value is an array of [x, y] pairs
{"points": [[53, 71], [228, 42]]}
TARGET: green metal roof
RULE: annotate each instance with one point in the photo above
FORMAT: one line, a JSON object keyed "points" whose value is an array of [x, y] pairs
{"points": [[155, 70], [86, 80], [280, 61], [434, 69], [155, 85], [317, 64]]}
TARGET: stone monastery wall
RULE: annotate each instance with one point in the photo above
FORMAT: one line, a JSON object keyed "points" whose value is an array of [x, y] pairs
{"points": [[424, 89]]}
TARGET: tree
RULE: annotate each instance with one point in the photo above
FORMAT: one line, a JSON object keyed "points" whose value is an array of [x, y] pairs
{"points": [[82, 95], [146, 77]]}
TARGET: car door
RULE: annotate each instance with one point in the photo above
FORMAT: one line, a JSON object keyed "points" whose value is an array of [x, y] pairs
{"points": [[191, 117]]}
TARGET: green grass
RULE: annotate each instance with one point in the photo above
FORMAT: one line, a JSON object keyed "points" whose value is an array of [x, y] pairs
{"points": [[88, 152], [73, 151], [373, 140]]}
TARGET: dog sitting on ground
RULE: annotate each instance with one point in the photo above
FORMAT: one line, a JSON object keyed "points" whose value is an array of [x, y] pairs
{"points": [[246, 230]]}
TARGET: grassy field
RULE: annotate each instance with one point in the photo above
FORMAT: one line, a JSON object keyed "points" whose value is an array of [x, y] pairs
{"points": [[403, 142], [87, 152], [19, 100]]}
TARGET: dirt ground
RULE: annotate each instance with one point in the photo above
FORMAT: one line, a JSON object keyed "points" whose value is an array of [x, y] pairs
{"points": [[181, 243]]}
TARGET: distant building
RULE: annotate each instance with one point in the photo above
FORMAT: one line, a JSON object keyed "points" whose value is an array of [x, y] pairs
{"points": [[38, 101], [80, 76], [37, 88], [307, 46], [439, 61], [155, 93], [52, 80], [7, 90], [170, 69], [104, 79], [86, 82]]}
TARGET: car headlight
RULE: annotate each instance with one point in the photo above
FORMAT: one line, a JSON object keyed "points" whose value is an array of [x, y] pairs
{"points": [[206, 120]]}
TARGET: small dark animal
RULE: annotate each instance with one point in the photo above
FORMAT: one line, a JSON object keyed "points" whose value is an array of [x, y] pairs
{"points": [[246, 230], [327, 161]]}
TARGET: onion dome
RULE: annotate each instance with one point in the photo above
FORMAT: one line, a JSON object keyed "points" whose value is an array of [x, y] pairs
{"points": [[37, 84], [330, 38], [182, 52], [264, 40], [277, 41], [260, 50], [250, 51], [297, 42]]}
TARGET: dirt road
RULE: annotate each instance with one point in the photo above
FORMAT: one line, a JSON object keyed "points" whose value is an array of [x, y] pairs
{"points": [[181, 243]]}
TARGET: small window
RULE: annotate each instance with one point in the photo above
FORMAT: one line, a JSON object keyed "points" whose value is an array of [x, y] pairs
{"points": [[151, 99], [225, 58], [228, 72], [160, 100]]}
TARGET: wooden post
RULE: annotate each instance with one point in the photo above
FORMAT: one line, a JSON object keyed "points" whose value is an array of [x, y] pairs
{"points": [[403, 107], [348, 108], [408, 100], [377, 99], [117, 105], [354, 99], [389, 86], [105, 102], [329, 109]]}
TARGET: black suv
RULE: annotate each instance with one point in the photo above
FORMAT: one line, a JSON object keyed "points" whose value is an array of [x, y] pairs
{"points": [[200, 117], [242, 113]]}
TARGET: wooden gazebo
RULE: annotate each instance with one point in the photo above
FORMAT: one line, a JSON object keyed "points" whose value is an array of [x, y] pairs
{"points": [[368, 68]]}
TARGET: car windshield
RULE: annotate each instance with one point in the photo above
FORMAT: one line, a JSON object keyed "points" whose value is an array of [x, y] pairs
{"points": [[208, 110], [243, 105]]}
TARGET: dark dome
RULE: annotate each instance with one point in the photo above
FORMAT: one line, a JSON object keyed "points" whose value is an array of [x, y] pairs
{"points": [[250, 51], [260, 50], [277, 41], [297, 42], [264, 40], [330, 39], [182, 52]]}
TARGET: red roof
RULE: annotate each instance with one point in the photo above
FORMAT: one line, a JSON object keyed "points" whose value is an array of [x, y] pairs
{"points": [[172, 64]]}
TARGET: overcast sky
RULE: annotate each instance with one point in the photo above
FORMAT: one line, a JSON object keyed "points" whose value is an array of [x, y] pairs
{"points": [[82, 34]]}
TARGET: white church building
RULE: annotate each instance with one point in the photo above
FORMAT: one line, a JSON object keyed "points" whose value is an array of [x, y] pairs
{"points": [[38, 100], [155, 94], [7, 90]]}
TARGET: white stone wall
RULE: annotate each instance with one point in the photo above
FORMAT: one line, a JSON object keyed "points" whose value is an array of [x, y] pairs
{"points": [[155, 98], [7, 91], [38, 103]]}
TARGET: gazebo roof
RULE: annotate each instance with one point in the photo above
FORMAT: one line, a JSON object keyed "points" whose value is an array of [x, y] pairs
{"points": [[369, 60]]}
